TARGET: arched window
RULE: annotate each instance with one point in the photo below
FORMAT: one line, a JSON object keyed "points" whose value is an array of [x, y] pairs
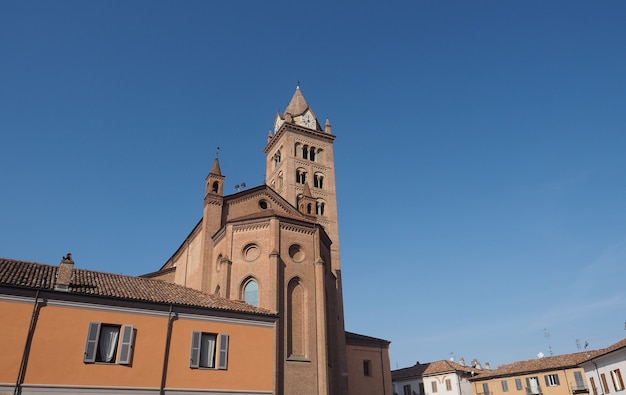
{"points": [[296, 321], [318, 156], [309, 208], [215, 187], [312, 154], [251, 293], [300, 176], [305, 152], [318, 180], [319, 208], [297, 149], [280, 180], [277, 158]]}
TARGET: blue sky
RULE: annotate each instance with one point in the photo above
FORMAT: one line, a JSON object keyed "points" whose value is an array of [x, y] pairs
{"points": [[480, 151]]}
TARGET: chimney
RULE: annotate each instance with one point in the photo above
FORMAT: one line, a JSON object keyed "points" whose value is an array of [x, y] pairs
{"points": [[64, 274], [462, 361], [487, 366]]}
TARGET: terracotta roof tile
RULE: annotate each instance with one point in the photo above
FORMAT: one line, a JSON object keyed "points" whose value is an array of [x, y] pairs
{"points": [[86, 282], [614, 347], [538, 365], [431, 368]]}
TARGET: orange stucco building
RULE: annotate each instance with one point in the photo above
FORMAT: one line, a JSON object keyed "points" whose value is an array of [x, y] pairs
{"points": [[108, 333]]}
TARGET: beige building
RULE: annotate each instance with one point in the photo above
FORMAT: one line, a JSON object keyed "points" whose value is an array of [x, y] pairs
{"points": [[555, 375]]}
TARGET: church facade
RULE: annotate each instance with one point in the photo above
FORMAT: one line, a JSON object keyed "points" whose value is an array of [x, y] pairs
{"points": [[250, 303], [276, 246]]}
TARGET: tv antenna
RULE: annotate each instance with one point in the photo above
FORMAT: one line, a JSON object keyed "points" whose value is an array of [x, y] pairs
{"points": [[240, 186], [546, 334]]}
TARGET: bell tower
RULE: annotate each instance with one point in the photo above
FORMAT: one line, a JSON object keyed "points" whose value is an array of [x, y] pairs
{"points": [[211, 223], [300, 152], [300, 167]]}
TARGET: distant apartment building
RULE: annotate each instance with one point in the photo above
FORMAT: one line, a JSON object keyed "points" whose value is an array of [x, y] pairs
{"points": [[555, 375], [434, 378], [605, 370]]}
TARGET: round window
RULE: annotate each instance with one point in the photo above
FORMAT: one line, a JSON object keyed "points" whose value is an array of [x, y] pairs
{"points": [[251, 252], [296, 253], [263, 204]]}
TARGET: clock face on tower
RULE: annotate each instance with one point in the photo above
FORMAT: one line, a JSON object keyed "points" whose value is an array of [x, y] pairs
{"points": [[308, 120]]}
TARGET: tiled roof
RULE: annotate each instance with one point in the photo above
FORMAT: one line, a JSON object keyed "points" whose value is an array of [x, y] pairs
{"points": [[86, 282], [620, 344], [538, 365], [430, 369]]}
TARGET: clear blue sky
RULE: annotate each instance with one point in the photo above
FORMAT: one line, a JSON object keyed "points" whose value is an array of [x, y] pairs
{"points": [[480, 152]]}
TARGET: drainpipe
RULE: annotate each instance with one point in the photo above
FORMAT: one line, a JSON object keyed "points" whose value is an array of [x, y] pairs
{"points": [[598, 375], [29, 339], [171, 316]]}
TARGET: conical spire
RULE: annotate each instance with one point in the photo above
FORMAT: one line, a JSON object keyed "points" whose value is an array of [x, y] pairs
{"points": [[297, 105], [215, 169]]}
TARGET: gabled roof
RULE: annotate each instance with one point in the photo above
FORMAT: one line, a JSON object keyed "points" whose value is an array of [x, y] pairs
{"points": [[538, 365], [21, 274], [279, 205], [431, 369]]}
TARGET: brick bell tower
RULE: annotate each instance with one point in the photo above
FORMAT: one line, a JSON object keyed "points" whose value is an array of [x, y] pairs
{"points": [[300, 167]]}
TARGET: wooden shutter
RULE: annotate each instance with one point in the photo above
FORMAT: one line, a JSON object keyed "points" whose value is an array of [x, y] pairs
{"points": [[194, 358], [619, 378], [223, 355], [126, 345], [91, 346], [556, 379]]}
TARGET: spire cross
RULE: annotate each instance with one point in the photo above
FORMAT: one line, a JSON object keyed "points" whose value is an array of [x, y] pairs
{"points": [[217, 152]]}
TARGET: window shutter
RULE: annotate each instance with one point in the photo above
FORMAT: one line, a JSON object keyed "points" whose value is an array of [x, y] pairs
{"points": [[547, 380], [556, 379], [194, 358], [613, 380], [223, 355], [91, 346], [619, 378], [126, 345]]}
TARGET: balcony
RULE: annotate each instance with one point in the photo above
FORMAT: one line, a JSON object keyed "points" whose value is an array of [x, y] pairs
{"points": [[534, 390], [579, 388]]}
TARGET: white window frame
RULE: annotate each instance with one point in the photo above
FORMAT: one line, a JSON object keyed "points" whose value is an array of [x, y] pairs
{"points": [[552, 380]]}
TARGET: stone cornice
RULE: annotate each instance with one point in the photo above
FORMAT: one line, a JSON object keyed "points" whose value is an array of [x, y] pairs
{"points": [[292, 127]]}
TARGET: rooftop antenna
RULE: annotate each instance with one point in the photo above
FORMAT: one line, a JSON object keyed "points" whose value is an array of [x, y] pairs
{"points": [[240, 186], [452, 356], [546, 334]]}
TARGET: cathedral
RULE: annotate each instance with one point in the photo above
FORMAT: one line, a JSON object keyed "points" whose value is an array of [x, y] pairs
{"points": [[249, 304], [276, 246]]}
